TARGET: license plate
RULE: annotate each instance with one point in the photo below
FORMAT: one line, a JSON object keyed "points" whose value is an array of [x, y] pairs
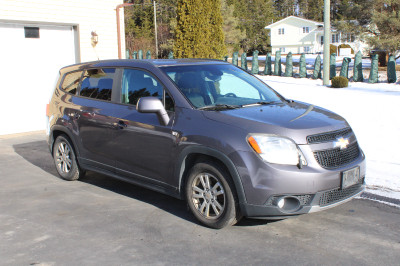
{"points": [[350, 177]]}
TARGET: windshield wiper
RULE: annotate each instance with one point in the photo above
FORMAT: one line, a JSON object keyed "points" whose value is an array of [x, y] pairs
{"points": [[258, 103], [218, 107]]}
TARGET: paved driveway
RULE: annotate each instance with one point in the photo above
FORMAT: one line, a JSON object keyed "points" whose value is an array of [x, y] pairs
{"points": [[100, 221]]}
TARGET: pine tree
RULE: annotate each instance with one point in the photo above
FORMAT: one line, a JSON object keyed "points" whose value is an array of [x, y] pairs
{"points": [[285, 8], [311, 9], [386, 17], [376, 21], [233, 34], [199, 32], [254, 16]]}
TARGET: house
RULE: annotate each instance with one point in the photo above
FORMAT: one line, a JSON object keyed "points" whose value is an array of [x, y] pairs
{"points": [[38, 37], [299, 35]]}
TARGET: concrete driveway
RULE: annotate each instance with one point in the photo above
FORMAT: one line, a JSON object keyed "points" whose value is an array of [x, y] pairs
{"points": [[100, 221]]}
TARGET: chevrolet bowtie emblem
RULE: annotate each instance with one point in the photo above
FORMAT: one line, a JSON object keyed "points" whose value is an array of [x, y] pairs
{"points": [[341, 143]]}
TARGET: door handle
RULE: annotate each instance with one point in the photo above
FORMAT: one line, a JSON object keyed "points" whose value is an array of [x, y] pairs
{"points": [[120, 125]]}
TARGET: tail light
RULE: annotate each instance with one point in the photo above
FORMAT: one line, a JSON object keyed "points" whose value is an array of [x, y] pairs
{"points": [[47, 110]]}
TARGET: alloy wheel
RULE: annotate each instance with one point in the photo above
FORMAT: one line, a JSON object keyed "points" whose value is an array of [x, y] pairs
{"points": [[63, 159], [208, 196]]}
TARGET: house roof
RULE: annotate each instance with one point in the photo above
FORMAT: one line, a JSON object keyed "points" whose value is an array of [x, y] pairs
{"points": [[303, 19]]}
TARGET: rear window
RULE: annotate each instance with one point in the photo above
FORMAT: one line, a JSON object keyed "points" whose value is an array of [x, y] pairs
{"points": [[71, 82], [97, 83]]}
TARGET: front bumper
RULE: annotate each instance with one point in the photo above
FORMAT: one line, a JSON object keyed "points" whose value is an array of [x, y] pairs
{"points": [[309, 189], [320, 201]]}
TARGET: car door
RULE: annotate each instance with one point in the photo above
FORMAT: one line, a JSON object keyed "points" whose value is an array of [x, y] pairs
{"points": [[143, 146], [95, 120]]}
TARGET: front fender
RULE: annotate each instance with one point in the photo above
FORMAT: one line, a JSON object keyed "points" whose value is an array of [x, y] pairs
{"points": [[202, 150]]}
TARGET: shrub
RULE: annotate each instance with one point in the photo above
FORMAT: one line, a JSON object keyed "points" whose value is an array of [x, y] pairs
{"points": [[332, 49], [340, 82]]}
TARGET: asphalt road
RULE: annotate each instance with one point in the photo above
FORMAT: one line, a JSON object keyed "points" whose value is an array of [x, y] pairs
{"points": [[100, 221]]}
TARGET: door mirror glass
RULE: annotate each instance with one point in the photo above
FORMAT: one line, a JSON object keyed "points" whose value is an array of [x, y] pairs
{"points": [[153, 105]]}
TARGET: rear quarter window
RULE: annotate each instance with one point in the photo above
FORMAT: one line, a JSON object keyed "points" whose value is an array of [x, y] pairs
{"points": [[71, 82]]}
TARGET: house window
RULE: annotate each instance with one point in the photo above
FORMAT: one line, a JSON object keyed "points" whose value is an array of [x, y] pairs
{"points": [[322, 40], [335, 38], [306, 29], [32, 32], [306, 49], [348, 38], [281, 31], [282, 49]]}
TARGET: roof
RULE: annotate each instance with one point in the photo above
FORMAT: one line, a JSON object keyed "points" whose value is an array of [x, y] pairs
{"points": [[144, 62], [290, 17]]}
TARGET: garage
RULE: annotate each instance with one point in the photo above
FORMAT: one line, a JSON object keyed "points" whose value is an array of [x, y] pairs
{"points": [[31, 56]]}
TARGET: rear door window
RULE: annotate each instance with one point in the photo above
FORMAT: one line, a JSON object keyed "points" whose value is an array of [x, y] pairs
{"points": [[71, 82], [98, 83]]}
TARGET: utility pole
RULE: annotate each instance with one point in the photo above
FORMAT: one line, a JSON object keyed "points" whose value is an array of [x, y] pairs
{"points": [[155, 28], [327, 40]]}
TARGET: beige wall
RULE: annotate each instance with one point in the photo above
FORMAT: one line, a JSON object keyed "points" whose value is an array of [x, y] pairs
{"points": [[88, 15]]}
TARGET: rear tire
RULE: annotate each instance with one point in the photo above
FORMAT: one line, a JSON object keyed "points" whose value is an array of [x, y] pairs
{"points": [[65, 159], [211, 195]]}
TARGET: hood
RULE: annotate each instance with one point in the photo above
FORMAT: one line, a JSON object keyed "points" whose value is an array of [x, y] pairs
{"points": [[295, 120]]}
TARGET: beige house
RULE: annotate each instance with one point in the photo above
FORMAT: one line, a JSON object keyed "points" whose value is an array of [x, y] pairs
{"points": [[38, 38], [299, 35]]}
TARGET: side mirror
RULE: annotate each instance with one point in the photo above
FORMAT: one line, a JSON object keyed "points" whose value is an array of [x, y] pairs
{"points": [[153, 105]]}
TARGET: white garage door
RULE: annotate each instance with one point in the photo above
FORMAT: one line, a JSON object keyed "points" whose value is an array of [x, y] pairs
{"points": [[31, 56]]}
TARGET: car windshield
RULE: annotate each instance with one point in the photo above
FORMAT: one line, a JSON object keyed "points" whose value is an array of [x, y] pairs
{"points": [[222, 86]]}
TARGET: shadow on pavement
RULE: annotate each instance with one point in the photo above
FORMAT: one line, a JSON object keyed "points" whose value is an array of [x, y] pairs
{"points": [[38, 154]]}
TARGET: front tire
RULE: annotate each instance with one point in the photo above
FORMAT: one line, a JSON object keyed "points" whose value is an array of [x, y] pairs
{"points": [[211, 195], [65, 159]]}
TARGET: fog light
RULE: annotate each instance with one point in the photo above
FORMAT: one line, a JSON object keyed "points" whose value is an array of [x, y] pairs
{"points": [[281, 203], [288, 204]]}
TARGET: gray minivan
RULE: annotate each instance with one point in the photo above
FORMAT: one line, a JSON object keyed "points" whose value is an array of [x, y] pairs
{"points": [[205, 131]]}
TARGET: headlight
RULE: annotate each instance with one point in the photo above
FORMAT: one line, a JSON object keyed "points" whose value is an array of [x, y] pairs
{"points": [[275, 149]]}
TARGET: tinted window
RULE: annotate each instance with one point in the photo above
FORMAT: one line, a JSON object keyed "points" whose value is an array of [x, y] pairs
{"points": [[71, 82], [97, 83], [205, 85], [137, 84], [168, 102]]}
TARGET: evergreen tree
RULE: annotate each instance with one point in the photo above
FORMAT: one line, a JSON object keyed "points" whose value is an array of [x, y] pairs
{"points": [[386, 17], [199, 32], [254, 16], [285, 8], [139, 25], [311, 9], [376, 21], [233, 35]]}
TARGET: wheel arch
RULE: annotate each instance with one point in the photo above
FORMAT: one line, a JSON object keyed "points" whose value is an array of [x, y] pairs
{"points": [[57, 131], [190, 155]]}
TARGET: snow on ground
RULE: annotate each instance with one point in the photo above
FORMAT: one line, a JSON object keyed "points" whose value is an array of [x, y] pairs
{"points": [[372, 110]]}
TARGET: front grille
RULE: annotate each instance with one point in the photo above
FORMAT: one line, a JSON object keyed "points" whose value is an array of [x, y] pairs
{"points": [[335, 195], [328, 136], [303, 199], [335, 158]]}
